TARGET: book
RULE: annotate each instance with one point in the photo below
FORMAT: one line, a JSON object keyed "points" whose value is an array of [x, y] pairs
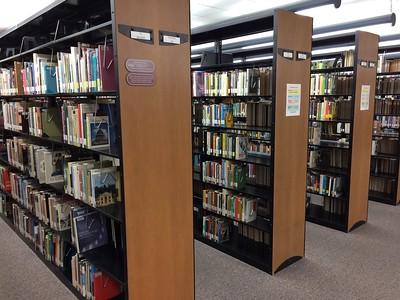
{"points": [[91, 231]]}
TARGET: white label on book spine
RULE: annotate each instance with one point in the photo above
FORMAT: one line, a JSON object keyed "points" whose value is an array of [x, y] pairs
{"points": [[172, 39], [140, 35], [364, 104], [293, 99]]}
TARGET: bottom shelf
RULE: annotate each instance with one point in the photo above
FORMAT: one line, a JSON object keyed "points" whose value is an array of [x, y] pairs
{"points": [[235, 252], [382, 197], [56, 271], [316, 214]]}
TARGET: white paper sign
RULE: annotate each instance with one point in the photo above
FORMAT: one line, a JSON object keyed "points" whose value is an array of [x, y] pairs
{"points": [[293, 99], [172, 39], [364, 104], [140, 35]]}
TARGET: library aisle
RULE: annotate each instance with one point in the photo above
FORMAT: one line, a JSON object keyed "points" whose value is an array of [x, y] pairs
{"points": [[336, 266], [363, 265]]}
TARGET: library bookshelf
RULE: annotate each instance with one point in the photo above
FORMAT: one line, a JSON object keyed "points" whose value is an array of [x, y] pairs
{"points": [[340, 114], [249, 147], [100, 94], [384, 179]]}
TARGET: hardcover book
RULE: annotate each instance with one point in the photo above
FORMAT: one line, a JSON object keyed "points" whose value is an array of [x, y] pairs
{"points": [[91, 231]]}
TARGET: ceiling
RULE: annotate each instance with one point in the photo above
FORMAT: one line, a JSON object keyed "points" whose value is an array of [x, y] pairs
{"points": [[207, 12]]}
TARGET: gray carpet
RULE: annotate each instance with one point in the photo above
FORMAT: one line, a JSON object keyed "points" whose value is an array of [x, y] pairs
{"points": [[361, 265]]}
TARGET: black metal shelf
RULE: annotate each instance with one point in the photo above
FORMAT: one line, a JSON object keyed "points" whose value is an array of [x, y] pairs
{"points": [[230, 97], [53, 43], [331, 95], [330, 146], [387, 73], [385, 176], [330, 170], [62, 95], [250, 190], [61, 143], [259, 223], [53, 268], [235, 66], [387, 156], [249, 159], [235, 127], [387, 94], [316, 214], [109, 260], [331, 121], [386, 115], [332, 70], [382, 197], [385, 136], [342, 198], [235, 252], [113, 211]]}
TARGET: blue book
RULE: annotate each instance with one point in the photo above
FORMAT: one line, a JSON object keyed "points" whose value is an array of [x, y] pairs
{"points": [[50, 81]]}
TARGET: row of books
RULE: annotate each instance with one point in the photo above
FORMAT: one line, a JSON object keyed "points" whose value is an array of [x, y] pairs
{"points": [[330, 109], [225, 145], [346, 59], [215, 229], [254, 81], [96, 183], [331, 84], [79, 124], [259, 175], [381, 185], [50, 244], [384, 146], [387, 105], [259, 148], [254, 234], [388, 65], [328, 205], [91, 282], [85, 69], [387, 122], [384, 166], [44, 164], [328, 158], [256, 113], [225, 173], [326, 185], [319, 133], [388, 85], [227, 204]]}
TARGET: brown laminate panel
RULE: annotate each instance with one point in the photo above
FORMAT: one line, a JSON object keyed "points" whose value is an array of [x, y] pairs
{"points": [[366, 49], [398, 186], [290, 153], [156, 139]]}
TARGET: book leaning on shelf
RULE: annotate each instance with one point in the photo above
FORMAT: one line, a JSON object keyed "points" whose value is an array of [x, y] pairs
{"points": [[84, 69]]}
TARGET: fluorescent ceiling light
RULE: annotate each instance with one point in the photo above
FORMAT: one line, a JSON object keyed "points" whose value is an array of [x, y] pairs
{"points": [[195, 66], [257, 46], [237, 61], [203, 46], [195, 55], [389, 43], [259, 58], [332, 50], [248, 37]]}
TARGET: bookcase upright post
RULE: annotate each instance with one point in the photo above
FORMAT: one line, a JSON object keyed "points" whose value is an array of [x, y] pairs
{"points": [[270, 236], [152, 39]]}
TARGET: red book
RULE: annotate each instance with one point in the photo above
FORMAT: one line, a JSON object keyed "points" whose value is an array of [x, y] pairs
{"points": [[104, 287], [107, 73]]}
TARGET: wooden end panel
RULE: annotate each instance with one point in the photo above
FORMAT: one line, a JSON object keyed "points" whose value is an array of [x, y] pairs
{"points": [[292, 32], [366, 50], [156, 139]]}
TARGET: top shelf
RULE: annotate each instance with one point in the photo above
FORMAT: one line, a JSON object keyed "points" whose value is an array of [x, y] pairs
{"points": [[387, 73], [55, 42], [235, 66], [61, 95], [332, 70]]}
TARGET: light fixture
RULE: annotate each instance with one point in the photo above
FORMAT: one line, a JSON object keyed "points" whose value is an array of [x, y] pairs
{"points": [[331, 50], [257, 58], [298, 6]]}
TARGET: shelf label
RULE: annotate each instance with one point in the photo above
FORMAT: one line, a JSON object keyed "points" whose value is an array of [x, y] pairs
{"points": [[172, 39], [293, 99], [168, 38], [365, 90], [140, 35], [371, 64], [363, 63], [302, 55], [286, 53]]}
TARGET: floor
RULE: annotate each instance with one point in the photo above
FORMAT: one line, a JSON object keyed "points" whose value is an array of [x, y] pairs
{"points": [[361, 265]]}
